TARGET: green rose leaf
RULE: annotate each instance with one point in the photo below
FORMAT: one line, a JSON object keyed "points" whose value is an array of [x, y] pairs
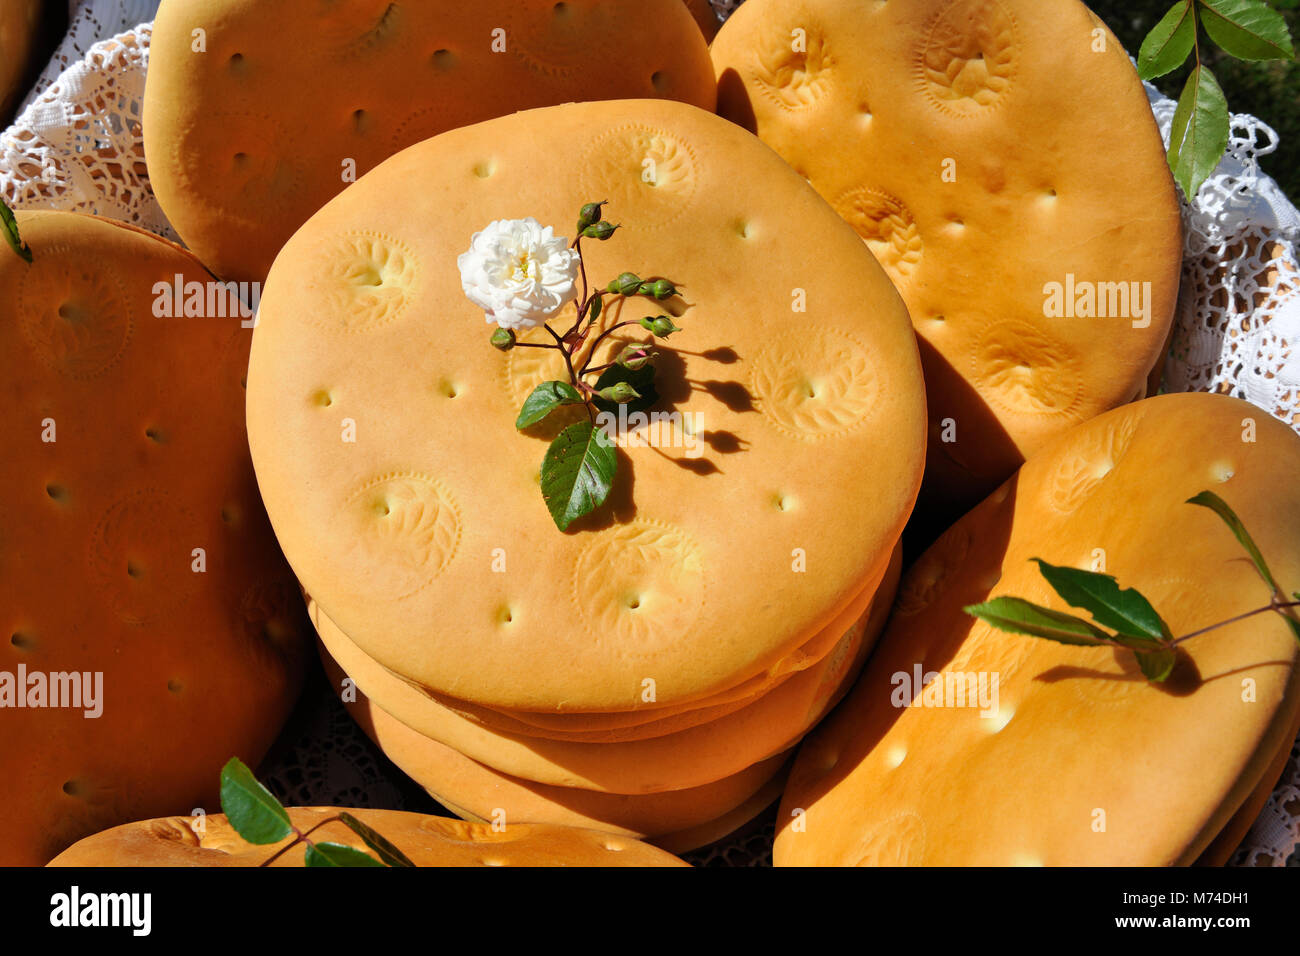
{"points": [[642, 381], [577, 473], [1200, 133], [254, 813], [1125, 611], [1157, 665], [1166, 47], [1247, 29], [545, 399], [338, 854], [383, 847], [9, 225], [1019, 616], [1208, 499]]}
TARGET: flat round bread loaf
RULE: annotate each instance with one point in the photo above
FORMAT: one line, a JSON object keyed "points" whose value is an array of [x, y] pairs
{"points": [[697, 578], [649, 717], [20, 22], [286, 103], [818, 664], [1079, 760], [426, 841], [642, 724], [476, 792], [138, 565], [692, 757], [1000, 159]]}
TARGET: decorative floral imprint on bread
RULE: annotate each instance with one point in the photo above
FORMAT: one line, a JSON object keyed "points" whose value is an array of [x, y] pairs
{"points": [[1026, 370], [897, 841], [815, 383], [794, 75], [466, 831], [1089, 462], [74, 312], [525, 369], [969, 58], [989, 651], [648, 173], [926, 581], [140, 555], [406, 530], [364, 280], [640, 583], [172, 830], [887, 227], [551, 39], [268, 609], [350, 35], [220, 836], [240, 163]]}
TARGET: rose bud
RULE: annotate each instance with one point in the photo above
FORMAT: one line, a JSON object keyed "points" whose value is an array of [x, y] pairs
{"points": [[590, 215], [601, 230], [662, 326], [634, 357], [622, 393]]}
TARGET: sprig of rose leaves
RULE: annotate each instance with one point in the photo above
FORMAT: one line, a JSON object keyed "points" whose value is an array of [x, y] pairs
{"points": [[1123, 618], [9, 226], [581, 464], [262, 820], [1245, 29]]}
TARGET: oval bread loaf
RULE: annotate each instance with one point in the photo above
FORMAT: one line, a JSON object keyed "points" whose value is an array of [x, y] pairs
{"points": [[138, 564], [426, 841], [1000, 159], [1072, 757], [256, 114]]}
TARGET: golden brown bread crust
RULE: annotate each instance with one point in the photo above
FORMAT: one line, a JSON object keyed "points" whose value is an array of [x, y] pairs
{"points": [[693, 757], [983, 149], [247, 139], [426, 841], [100, 531], [1080, 747], [476, 792], [659, 584], [20, 28]]}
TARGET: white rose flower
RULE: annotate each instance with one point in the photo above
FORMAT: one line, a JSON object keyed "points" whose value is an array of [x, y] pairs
{"points": [[519, 272]]}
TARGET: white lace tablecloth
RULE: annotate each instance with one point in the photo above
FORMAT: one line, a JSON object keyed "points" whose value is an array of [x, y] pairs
{"points": [[76, 145]]}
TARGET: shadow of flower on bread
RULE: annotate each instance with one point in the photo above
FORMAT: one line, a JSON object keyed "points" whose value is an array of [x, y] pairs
{"points": [[604, 387]]}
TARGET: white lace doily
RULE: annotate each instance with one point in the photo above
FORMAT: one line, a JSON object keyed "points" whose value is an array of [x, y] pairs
{"points": [[76, 145]]}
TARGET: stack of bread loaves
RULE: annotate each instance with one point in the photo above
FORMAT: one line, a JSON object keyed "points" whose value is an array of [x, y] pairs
{"points": [[645, 671]]}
